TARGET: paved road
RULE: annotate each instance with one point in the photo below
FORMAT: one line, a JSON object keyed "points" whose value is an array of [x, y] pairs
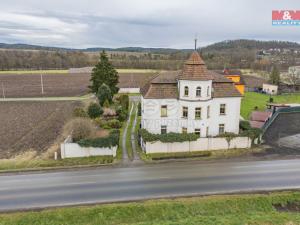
{"points": [[112, 184]]}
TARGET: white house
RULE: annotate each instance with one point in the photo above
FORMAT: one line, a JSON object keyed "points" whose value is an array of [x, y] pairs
{"points": [[192, 100]]}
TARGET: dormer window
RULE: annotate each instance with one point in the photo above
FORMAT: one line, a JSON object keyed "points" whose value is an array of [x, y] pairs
{"points": [[186, 91], [198, 92], [208, 91]]}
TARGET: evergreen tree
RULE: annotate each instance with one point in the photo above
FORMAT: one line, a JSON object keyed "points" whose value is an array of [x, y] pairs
{"points": [[104, 73], [104, 94], [274, 76]]}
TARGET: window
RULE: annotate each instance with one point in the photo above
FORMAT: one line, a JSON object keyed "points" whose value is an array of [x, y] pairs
{"points": [[207, 130], [222, 109], [208, 91], [198, 132], [184, 130], [198, 113], [221, 128], [163, 129], [208, 112], [163, 111], [186, 91], [185, 112], [198, 91]]}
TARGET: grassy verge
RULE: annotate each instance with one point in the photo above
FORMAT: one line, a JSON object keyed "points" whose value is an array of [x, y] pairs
{"points": [[251, 209], [142, 154], [252, 99], [201, 155], [33, 71], [18, 164], [128, 135]]}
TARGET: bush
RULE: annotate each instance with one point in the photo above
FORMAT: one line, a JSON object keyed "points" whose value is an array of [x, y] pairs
{"points": [[79, 112], [245, 125], [124, 101], [110, 141], [80, 128], [139, 109], [122, 114], [108, 124], [104, 94], [94, 110], [169, 137]]}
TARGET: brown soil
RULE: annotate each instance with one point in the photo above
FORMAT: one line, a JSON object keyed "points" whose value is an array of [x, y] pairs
{"points": [[59, 85], [31, 125]]}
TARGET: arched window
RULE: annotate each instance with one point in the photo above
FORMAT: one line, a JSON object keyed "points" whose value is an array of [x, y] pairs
{"points": [[198, 91], [186, 91], [208, 91]]}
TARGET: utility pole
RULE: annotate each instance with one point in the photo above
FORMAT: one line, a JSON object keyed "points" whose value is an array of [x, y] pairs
{"points": [[3, 92], [42, 84]]}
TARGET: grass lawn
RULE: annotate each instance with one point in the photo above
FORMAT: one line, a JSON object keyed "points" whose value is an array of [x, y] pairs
{"points": [[136, 71], [250, 209], [19, 164], [32, 71], [252, 99]]}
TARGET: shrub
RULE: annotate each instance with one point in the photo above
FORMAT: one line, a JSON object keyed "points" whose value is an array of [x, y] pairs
{"points": [[168, 137], [104, 93], [108, 124], [124, 101], [80, 128], [122, 114], [111, 140], [139, 109], [94, 110], [245, 125], [106, 104], [79, 112]]}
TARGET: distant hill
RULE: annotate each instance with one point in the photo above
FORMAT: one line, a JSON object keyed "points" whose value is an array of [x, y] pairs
{"points": [[250, 45], [97, 49]]}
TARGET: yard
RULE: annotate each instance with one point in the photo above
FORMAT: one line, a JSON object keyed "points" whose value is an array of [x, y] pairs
{"points": [[253, 99], [264, 209]]}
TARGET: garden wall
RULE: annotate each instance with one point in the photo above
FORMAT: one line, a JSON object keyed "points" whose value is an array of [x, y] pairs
{"points": [[72, 150], [202, 144]]}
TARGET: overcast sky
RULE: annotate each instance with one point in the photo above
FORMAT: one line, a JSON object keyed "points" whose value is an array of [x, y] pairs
{"points": [[146, 23]]}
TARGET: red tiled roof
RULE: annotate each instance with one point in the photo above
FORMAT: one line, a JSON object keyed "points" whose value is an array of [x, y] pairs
{"points": [[195, 69], [225, 90]]}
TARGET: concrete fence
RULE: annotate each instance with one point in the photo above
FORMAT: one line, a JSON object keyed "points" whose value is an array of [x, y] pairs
{"points": [[72, 150], [202, 144]]}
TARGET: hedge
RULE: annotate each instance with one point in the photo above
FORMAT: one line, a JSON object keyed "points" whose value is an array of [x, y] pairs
{"points": [[110, 141], [169, 137]]}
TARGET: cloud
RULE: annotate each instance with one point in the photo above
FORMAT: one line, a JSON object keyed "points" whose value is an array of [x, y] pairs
{"points": [[149, 23]]}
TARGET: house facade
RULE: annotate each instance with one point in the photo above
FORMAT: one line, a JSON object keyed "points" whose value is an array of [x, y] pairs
{"points": [[193, 100]]}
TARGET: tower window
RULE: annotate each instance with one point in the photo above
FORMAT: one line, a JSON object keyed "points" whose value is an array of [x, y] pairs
{"points": [[198, 91]]}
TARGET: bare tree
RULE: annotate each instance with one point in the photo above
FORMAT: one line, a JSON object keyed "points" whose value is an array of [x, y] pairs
{"points": [[293, 76]]}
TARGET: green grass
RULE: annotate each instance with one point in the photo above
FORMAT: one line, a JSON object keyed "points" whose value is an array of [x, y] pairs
{"points": [[19, 164], [252, 99], [250, 209], [136, 71], [33, 71]]}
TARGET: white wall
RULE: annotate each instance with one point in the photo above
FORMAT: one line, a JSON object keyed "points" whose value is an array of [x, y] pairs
{"points": [[192, 85], [202, 144], [270, 89], [129, 90], [73, 150], [152, 120]]}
